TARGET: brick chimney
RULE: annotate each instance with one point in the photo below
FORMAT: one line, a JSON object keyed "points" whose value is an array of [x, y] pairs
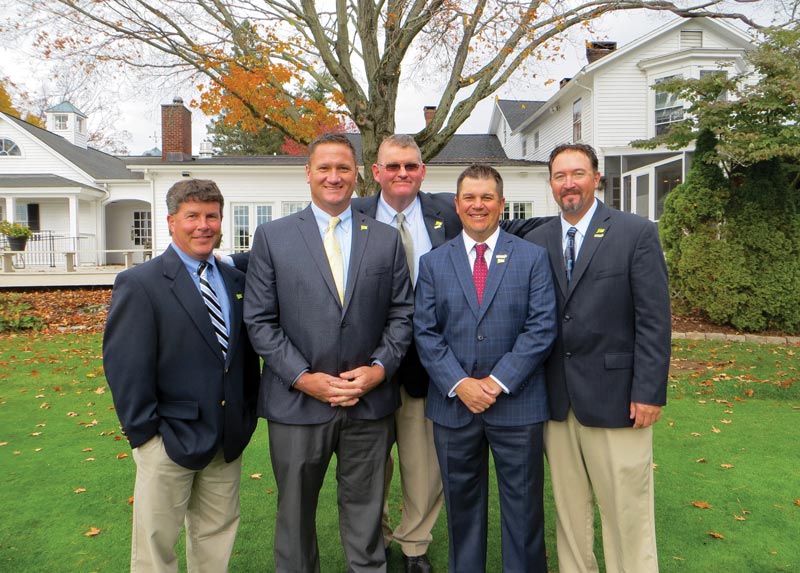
{"points": [[429, 111], [176, 131], [597, 50]]}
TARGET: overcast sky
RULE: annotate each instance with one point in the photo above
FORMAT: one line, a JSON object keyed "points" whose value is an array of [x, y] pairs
{"points": [[141, 112]]}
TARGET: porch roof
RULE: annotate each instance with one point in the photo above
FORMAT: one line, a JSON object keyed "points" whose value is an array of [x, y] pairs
{"points": [[52, 183]]}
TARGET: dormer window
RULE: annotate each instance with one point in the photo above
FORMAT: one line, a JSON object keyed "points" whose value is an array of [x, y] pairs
{"points": [[80, 124], [8, 148], [61, 120]]}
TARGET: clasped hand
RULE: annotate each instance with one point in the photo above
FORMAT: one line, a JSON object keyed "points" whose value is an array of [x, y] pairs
{"points": [[342, 390], [478, 394]]}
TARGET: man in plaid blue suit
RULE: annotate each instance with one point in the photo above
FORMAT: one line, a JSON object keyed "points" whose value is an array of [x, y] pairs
{"points": [[483, 330]]}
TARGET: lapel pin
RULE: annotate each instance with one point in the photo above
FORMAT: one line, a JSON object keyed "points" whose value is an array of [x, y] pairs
{"points": [[501, 258], [600, 233], [239, 296], [364, 227], [438, 224]]}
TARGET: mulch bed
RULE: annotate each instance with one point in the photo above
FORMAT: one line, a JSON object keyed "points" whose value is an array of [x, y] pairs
{"points": [[86, 308]]}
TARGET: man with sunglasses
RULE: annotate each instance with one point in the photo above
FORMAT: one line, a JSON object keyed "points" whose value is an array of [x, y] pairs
{"points": [[425, 221]]}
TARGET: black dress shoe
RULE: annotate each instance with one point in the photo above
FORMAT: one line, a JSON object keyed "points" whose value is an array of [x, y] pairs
{"points": [[418, 564]]}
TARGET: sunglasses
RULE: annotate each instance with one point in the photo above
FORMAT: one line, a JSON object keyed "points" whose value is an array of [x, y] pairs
{"points": [[395, 167]]}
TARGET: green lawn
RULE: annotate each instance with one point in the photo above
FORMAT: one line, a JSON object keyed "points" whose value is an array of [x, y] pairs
{"points": [[727, 439]]}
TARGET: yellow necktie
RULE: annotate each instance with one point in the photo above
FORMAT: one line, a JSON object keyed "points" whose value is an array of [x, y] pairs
{"points": [[408, 243], [334, 253]]}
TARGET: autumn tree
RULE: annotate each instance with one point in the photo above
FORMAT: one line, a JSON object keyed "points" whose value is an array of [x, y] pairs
{"points": [[7, 106], [256, 57]]}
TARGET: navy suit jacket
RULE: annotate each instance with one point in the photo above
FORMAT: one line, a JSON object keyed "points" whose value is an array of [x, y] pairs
{"points": [[442, 224], [613, 343], [509, 335], [296, 322], [166, 369]]}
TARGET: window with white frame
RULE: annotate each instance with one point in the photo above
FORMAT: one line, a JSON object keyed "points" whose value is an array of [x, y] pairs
{"points": [[524, 147], [577, 120], [61, 120], [289, 207], [536, 139], [246, 217], [142, 229], [80, 123], [518, 210], [8, 148], [668, 108]]}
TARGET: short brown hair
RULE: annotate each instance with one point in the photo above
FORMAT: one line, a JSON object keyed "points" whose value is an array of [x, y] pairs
{"points": [[587, 150], [184, 190], [481, 171], [332, 137]]}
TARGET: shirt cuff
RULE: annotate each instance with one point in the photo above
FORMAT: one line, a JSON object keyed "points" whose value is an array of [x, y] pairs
{"points": [[296, 378], [502, 386], [452, 392]]}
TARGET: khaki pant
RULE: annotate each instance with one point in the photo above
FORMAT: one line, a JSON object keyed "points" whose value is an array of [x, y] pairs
{"points": [[168, 495], [615, 466]]}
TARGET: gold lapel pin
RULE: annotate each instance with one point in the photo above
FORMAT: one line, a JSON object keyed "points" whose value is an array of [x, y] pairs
{"points": [[501, 258], [600, 233], [438, 224], [364, 227]]}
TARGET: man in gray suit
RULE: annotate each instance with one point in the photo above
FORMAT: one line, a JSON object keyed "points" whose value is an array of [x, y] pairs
{"points": [[184, 379], [607, 375], [328, 307]]}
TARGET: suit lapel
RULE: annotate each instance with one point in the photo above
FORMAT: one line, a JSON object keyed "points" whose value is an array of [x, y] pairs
{"points": [[598, 227], [460, 261], [235, 287], [497, 268], [190, 298], [556, 253], [309, 230], [358, 245], [434, 221]]}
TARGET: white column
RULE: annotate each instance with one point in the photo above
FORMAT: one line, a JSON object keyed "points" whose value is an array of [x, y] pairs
{"points": [[11, 209]]}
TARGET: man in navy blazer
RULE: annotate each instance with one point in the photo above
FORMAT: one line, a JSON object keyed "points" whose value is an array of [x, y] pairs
{"points": [[483, 335], [186, 399], [328, 306], [607, 375]]}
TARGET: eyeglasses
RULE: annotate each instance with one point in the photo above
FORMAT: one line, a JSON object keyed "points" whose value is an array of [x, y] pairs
{"points": [[395, 167]]}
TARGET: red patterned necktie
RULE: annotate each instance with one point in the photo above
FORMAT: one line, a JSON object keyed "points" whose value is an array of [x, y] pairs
{"points": [[480, 271]]}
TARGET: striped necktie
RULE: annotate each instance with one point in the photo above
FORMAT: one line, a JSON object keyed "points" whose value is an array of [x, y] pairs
{"points": [[214, 308], [334, 253]]}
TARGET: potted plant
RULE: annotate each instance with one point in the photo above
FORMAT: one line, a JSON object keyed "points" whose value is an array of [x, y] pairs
{"points": [[17, 234]]}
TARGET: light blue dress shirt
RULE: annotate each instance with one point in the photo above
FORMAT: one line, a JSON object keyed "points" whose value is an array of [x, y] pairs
{"points": [[214, 279], [415, 223]]}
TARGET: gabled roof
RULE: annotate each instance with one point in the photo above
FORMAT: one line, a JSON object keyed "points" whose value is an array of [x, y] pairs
{"points": [[732, 32], [98, 165], [65, 107], [517, 111]]}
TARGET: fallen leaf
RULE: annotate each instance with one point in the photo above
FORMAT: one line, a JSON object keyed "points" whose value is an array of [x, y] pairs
{"points": [[100, 390], [671, 424], [89, 460], [700, 460], [41, 425], [702, 504], [56, 388], [738, 399], [86, 450], [3, 443], [725, 421], [36, 433], [92, 532], [255, 476], [696, 434], [39, 396], [749, 392], [122, 455], [72, 414], [79, 490], [701, 401], [130, 500], [16, 452], [726, 466], [270, 491], [797, 502], [739, 518], [729, 411], [716, 535], [37, 449], [715, 429]]}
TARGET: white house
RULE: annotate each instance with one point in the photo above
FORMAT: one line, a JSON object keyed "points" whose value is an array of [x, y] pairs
{"points": [[83, 200], [611, 102]]}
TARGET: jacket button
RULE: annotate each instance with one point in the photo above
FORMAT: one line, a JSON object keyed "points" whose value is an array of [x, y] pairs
{"points": [[567, 318], [481, 337], [568, 354]]}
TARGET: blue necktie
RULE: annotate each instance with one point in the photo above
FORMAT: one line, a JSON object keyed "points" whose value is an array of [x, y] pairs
{"points": [[569, 252]]}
